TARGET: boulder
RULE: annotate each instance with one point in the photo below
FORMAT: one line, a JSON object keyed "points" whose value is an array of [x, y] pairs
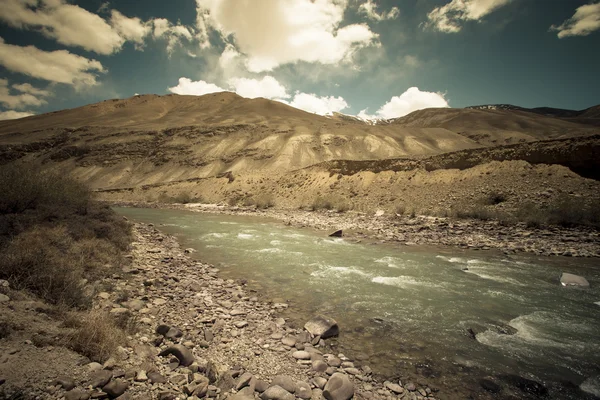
{"points": [[394, 387], [322, 326], [277, 393], [183, 354], [319, 366], [115, 388], [244, 394], [337, 233], [303, 390], [284, 381], [77, 394], [567, 279], [64, 382], [301, 355], [244, 380], [156, 377], [261, 386], [100, 378], [338, 387]]}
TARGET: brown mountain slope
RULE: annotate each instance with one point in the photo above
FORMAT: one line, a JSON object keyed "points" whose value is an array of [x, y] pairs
{"points": [[495, 127], [155, 139], [149, 139]]}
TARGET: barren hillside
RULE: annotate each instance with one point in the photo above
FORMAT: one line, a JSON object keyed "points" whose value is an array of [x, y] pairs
{"points": [[493, 127], [154, 141]]}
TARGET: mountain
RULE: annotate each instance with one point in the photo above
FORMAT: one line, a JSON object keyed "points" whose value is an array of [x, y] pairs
{"points": [[589, 116], [153, 139], [495, 124], [172, 137]]}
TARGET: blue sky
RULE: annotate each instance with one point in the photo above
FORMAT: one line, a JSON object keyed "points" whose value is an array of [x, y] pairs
{"points": [[376, 59]]}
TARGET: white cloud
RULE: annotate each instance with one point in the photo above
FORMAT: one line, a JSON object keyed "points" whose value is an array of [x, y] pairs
{"points": [[10, 114], [130, 28], [319, 105], [172, 33], [450, 17], [411, 100], [369, 9], [55, 66], [267, 87], [68, 24], [29, 96], [27, 88], [196, 88], [284, 31], [229, 56], [585, 21]]}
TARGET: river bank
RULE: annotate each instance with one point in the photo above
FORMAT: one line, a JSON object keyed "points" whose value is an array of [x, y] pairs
{"points": [[228, 342], [422, 230]]}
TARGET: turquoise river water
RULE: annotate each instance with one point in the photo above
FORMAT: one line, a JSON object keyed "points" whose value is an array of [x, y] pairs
{"points": [[406, 310]]}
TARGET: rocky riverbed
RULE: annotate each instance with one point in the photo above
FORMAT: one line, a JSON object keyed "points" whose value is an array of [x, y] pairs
{"points": [[197, 335]]}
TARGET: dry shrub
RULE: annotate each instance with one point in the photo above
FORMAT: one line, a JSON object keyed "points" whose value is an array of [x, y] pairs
{"points": [[28, 188], [493, 198], [95, 335], [331, 203], [52, 235], [37, 260], [264, 201]]}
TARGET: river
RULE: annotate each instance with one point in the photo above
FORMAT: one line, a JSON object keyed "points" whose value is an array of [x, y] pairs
{"points": [[406, 311]]}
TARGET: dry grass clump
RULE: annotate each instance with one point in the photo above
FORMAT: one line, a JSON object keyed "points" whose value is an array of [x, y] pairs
{"points": [[95, 335], [38, 260], [181, 198], [566, 211], [330, 203], [264, 201], [52, 235]]}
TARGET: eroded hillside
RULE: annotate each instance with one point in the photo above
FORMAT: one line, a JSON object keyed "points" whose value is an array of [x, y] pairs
{"points": [[223, 147]]}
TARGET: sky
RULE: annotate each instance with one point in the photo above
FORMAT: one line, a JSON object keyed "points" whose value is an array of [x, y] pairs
{"points": [[369, 58]]}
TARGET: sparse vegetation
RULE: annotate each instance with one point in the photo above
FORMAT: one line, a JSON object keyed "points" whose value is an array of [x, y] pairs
{"points": [[54, 242], [565, 211], [494, 198], [181, 198], [330, 203], [95, 335], [264, 201]]}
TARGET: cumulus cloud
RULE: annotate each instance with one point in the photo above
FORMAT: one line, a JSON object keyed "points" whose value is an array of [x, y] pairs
{"points": [[55, 66], [322, 105], [28, 88], [68, 24], [27, 96], [132, 29], [229, 56], [369, 9], [450, 17], [411, 100], [585, 21], [11, 114], [267, 87], [284, 31], [174, 34], [196, 88]]}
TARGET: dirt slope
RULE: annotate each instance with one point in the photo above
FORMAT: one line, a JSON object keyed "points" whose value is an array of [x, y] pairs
{"points": [[150, 139], [495, 127]]}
